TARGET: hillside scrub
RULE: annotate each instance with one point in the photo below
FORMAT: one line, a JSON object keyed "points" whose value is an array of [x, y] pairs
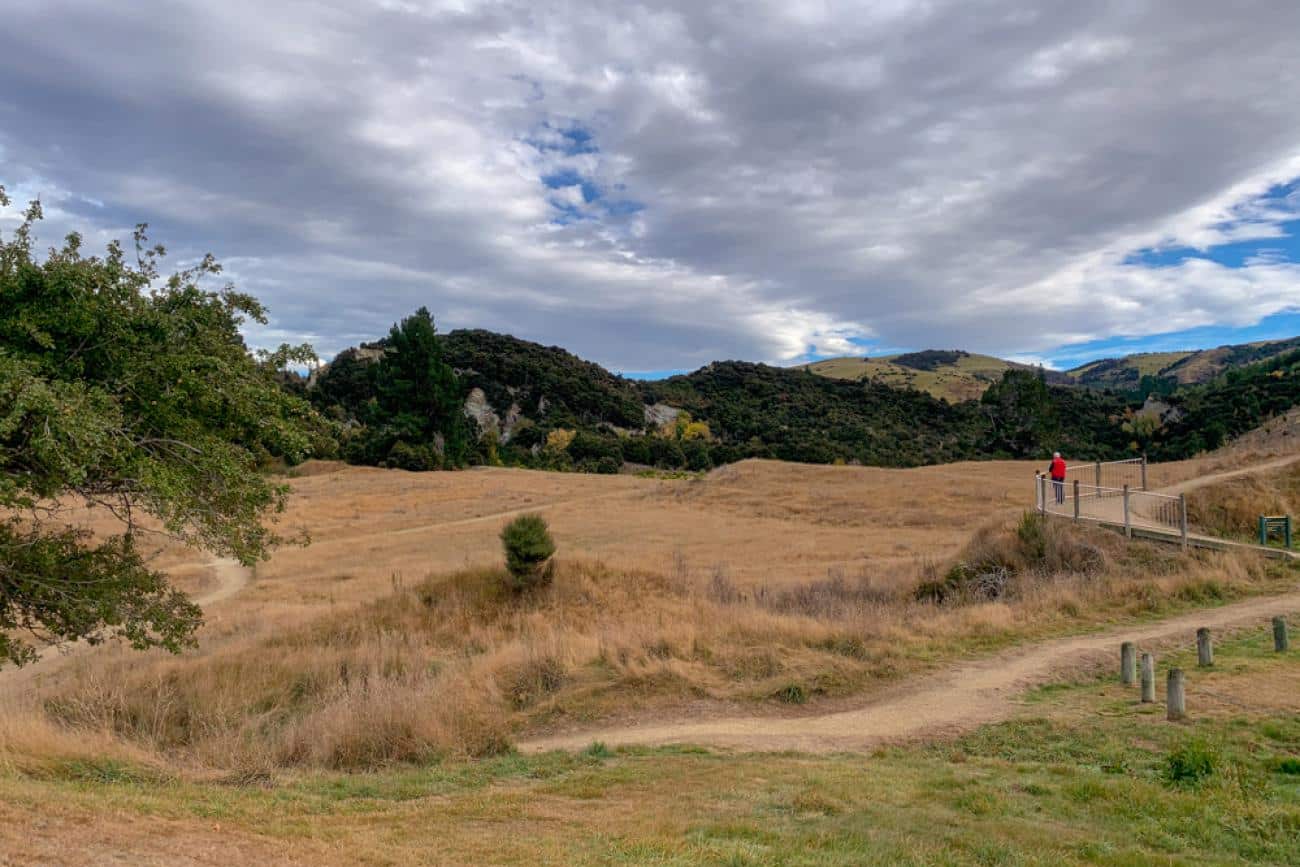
{"points": [[457, 664], [1231, 508], [759, 411]]}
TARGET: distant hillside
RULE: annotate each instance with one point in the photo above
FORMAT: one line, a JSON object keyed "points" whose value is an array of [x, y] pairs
{"points": [[543, 407], [1189, 367], [951, 375]]}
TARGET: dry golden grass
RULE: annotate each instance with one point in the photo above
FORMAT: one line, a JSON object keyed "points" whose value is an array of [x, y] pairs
{"points": [[457, 665], [389, 638], [1232, 507]]}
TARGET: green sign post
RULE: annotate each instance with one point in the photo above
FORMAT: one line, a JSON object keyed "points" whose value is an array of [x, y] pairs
{"points": [[1275, 524]]}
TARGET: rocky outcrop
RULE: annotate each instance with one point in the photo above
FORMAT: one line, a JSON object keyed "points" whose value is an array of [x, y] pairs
{"points": [[478, 409], [659, 414]]}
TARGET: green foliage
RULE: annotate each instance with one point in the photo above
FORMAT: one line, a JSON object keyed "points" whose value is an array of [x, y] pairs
{"points": [[754, 410], [550, 385], [1191, 763], [415, 419], [133, 392], [528, 547], [929, 359], [1242, 399], [734, 410], [792, 693]]}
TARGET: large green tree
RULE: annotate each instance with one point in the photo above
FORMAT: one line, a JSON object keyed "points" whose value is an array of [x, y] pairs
{"points": [[133, 393], [417, 418]]}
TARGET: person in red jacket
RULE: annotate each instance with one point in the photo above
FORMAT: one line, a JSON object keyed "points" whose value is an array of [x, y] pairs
{"points": [[1056, 469]]}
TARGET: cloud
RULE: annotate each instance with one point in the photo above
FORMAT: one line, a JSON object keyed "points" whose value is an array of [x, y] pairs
{"points": [[660, 185]]}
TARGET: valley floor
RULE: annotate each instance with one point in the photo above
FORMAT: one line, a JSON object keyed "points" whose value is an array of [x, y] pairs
{"points": [[689, 622], [1081, 774]]}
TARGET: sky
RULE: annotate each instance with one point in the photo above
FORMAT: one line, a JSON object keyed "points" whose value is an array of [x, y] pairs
{"points": [[655, 186]]}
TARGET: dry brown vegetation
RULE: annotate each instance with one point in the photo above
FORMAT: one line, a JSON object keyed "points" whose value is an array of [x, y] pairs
{"points": [[1231, 508], [392, 638]]}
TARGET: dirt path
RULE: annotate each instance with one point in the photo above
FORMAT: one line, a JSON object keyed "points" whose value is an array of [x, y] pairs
{"points": [[231, 578], [1203, 481], [945, 703]]}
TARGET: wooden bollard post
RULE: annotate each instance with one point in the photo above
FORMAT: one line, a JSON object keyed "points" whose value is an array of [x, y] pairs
{"points": [[1148, 678], [1204, 648], [1280, 642], [1175, 700], [1127, 663]]}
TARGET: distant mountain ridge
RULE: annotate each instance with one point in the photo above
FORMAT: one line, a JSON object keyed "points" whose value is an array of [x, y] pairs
{"points": [[1187, 367], [956, 375], [952, 375]]}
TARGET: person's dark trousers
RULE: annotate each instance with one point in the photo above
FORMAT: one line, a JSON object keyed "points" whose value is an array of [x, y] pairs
{"points": [[1059, 486]]}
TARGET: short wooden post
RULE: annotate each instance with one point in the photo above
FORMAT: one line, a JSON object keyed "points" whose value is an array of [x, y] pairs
{"points": [[1127, 663], [1099, 476], [1263, 530], [1076, 499], [1286, 532], [1148, 678], [1204, 648], [1144, 472], [1128, 524], [1182, 518], [1280, 641], [1175, 699]]}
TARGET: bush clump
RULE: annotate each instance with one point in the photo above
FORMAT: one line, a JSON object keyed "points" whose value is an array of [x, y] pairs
{"points": [[528, 545], [1191, 763], [997, 556]]}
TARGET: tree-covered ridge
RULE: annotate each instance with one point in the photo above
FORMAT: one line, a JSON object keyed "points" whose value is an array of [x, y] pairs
{"points": [[511, 371], [557, 411], [1242, 399], [792, 414], [1164, 372]]}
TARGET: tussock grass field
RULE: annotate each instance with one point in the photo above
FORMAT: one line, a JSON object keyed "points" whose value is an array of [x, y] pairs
{"points": [[385, 669], [1083, 775]]}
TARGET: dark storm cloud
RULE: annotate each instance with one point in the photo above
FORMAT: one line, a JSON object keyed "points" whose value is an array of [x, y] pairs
{"points": [[747, 180]]}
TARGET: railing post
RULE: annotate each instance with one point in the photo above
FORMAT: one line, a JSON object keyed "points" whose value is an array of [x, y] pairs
{"points": [[1076, 499], [1148, 678], [1144, 472], [1175, 697], [1182, 518], [1042, 494], [1128, 524], [1099, 477]]}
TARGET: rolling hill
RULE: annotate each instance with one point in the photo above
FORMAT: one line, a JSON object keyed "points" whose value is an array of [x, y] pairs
{"points": [[951, 375], [1187, 367], [956, 375]]}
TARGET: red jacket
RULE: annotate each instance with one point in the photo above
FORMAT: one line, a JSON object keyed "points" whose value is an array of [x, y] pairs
{"points": [[1057, 469]]}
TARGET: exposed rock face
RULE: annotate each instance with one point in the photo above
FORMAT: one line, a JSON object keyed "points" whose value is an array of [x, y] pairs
{"points": [[478, 408], [659, 414], [513, 415], [1163, 412]]}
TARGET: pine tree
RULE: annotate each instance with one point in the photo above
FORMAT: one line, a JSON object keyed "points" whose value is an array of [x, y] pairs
{"points": [[418, 395]]}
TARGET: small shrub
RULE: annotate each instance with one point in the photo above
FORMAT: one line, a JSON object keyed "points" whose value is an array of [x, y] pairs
{"points": [[1191, 763], [527, 684], [1288, 765], [792, 694], [598, 750], [528, 545]]}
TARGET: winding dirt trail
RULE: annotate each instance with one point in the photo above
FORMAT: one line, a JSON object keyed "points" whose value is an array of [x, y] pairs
{"points": [[231, 578], [1203, 481], [942, 704]]}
